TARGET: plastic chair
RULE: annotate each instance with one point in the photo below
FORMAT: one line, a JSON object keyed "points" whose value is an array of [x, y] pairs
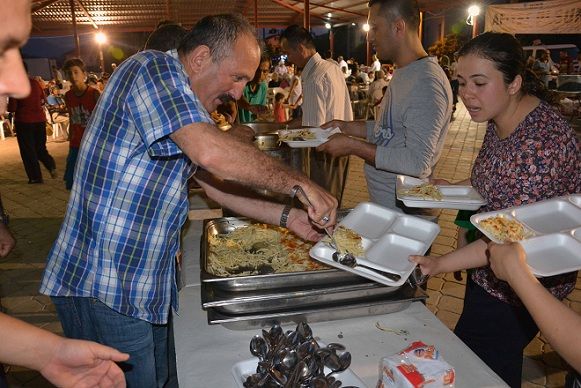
{"points": [[59, 123], [8, 124]]}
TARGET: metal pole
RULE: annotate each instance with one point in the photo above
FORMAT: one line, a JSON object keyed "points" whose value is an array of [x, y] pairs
{"points": [[421, 29], [332, 43], [474, 26], [101, 60], [307, 16], [368, 49], [75, 33]]}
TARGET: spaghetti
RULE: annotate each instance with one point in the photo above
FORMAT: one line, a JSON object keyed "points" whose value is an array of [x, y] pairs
{"points": [[258, 249], [425, 191], [303, 134], [504, 229]]}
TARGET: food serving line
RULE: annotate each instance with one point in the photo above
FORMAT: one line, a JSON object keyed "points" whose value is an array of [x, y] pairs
{"points": [[225, 303], [206, 354]]}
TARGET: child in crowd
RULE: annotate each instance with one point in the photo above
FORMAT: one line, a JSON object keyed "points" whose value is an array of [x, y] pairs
{"points": [[81, 99], [279, 111]]}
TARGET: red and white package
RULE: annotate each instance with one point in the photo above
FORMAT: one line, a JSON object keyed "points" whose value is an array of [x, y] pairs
{"points": [[417, 366]]}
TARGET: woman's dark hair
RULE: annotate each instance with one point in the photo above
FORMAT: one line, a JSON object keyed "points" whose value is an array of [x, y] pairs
{"points": [[507, 54]]}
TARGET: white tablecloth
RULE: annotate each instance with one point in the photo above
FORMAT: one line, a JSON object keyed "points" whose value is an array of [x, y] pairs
{"points": [[206, 353]]}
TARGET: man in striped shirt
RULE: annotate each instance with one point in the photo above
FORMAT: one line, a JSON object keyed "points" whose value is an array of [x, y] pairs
{"points": [[325, 98], [111, 271]]}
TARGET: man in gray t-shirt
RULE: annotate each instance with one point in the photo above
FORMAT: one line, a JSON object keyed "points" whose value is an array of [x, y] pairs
{"points": [[415, 113]]}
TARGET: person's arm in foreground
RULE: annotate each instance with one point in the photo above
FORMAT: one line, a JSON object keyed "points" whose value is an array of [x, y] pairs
{"points": [[64, 362], [558, 323], [230, 159]]}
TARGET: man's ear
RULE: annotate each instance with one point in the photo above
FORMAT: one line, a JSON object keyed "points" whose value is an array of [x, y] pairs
{"points": [[399, 26], [199, 57]]}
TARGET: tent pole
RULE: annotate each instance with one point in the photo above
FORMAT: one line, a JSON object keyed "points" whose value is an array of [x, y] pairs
{"points": [[75, 32]]}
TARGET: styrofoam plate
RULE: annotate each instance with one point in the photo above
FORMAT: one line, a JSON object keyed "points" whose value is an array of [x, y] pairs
{"points": [[453, 196], [322, 135], [577, 234], [477, 218], [549, 216], [576, 199], [389, 238], [241, 370], [553, 254]]}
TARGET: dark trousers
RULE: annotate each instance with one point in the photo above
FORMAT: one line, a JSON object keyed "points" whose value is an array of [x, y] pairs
{"points": [[32, 143], [496, 331]]}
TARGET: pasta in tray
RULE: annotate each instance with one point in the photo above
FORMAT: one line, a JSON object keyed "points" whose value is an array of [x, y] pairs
{"points": [[425, 191], [259, 249], [505, 229], [303, 134]]}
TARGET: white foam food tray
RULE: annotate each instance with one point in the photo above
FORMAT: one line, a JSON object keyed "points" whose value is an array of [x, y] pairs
{"points": [[453, 196], [552, 233], [321, 136], [388, 237], [241, 370]]}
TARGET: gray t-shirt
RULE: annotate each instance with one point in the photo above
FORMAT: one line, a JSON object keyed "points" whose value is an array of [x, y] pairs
{"points": [[412, 124]]}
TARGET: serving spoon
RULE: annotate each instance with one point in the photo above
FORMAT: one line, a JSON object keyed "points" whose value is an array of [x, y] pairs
{"points": [[347, 259]]}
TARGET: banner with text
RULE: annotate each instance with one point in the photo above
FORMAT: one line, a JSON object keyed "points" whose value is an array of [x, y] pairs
{"points": [[539, 17]]}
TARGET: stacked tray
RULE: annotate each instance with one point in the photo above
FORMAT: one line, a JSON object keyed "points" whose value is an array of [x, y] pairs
{"points": [[552, 231], [257, 300]]}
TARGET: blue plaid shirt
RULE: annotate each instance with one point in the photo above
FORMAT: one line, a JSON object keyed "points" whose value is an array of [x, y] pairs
{"points": [[120, 235]]}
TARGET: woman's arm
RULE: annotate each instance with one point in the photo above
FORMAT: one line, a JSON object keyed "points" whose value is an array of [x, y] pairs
{"points": [[558, 323], [472, 255]]}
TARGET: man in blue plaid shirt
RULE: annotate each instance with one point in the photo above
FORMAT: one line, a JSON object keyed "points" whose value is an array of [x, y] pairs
{"points": [[111, 272]]}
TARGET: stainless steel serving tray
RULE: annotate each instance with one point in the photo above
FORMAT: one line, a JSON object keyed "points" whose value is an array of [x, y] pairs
{"points": [[397, 301], [259, 301], [262, 282]]}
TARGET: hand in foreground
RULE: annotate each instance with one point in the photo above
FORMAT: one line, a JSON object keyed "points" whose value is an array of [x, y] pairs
{"points": [[337, 145], [507, 259], [76, 363], [299, 223], [323, 212], [7, 242], [429, 265]]}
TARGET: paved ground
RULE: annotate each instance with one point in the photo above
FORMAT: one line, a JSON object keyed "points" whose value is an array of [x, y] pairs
{"points": [[37, 211]]}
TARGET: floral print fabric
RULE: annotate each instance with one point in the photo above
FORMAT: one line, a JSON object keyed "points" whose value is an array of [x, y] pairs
{"points": [[539, 160]]}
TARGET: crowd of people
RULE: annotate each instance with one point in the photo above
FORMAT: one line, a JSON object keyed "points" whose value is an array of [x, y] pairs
{"points": [[133, 148]]}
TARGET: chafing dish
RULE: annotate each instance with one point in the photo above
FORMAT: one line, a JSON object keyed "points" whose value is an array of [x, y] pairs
{"points": [[262, 282], [280, 300], [394, 302]]}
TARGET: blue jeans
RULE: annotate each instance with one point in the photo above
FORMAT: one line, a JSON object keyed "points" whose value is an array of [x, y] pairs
{"points": [[146, 343]]}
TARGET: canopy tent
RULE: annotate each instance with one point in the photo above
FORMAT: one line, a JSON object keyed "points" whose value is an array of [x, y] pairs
{"points": [[54, 17], [539, 17]]}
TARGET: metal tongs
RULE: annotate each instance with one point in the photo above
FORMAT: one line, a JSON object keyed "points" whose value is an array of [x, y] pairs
{"points": [[344, 258]]}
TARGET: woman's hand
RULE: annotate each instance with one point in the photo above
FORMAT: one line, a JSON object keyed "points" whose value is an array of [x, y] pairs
{"points": [[429, 265]]}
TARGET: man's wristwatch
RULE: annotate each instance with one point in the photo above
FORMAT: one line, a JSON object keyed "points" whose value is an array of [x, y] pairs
{"points": [[284, 216]]}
